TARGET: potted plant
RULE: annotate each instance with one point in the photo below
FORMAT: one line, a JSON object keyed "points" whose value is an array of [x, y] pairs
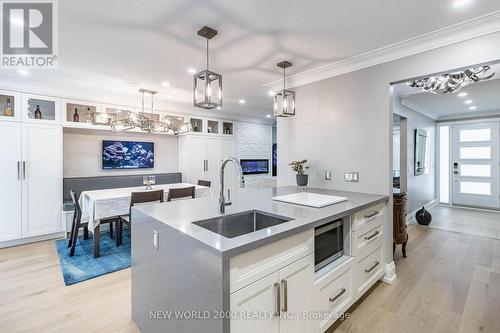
{"points": [[299, 168]]}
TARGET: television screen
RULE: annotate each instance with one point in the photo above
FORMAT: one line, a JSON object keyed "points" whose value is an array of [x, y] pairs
{"points": [[275, 159], [251, 167], [127, 155]]}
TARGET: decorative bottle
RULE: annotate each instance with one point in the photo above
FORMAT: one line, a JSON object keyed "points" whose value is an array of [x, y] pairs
{"points": [[7, 110], [89, 116], [195, 129], [76, 117], [38, 113]]}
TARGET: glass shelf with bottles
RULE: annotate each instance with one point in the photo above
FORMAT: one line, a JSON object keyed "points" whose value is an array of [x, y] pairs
{"points": [[9, 106], [196, 125], [212, 126], [227, 128], [40, 109], [80, 113]]}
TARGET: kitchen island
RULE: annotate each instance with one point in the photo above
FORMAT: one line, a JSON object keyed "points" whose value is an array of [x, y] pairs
{"points": [[186, 278]]}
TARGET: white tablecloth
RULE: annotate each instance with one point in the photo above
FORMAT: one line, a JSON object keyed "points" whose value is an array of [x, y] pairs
{"points": [[102, 204]]}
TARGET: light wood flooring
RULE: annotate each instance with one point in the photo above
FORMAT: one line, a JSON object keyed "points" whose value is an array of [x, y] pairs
{"points": [[450, 282]]}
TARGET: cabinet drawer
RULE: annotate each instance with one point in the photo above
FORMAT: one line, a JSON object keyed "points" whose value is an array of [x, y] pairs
{"points": [[334, 294], [365, 238], [370, 268], [251, 266], [369, 216]]}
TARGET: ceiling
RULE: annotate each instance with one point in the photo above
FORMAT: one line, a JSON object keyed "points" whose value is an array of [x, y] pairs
{"points": [[110, 49], [484, 96]]}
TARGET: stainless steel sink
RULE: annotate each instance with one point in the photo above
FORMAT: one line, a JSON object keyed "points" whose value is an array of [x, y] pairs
{"points": [[238, 224]]}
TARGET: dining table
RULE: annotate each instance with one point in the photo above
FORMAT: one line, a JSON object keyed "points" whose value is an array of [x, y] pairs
{"points": [[97, 205]]}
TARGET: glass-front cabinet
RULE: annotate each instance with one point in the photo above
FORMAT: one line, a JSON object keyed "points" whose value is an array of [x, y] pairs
{"points": [[79, 113], [213, 126], [197, 125], [10, 103], [41, 109], [227, 128]]}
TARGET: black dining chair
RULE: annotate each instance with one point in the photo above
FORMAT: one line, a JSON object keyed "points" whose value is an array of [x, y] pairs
{"points": [[77, 224], [206, 183], [135, 199], [179, 193]]}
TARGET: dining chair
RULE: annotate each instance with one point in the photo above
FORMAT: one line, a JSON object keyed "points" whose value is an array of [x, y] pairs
{"points": [[178, 193], [206, 183], [137, 198], [77, 224]]}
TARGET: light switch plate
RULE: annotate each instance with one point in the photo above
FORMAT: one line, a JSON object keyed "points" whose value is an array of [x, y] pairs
{"points": [[351, 177], [328, 174]]}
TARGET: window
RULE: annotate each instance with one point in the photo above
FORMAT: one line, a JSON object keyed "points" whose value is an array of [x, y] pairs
{"points": [[475, 188], [475, 153], [475, 135], [473, 170]]}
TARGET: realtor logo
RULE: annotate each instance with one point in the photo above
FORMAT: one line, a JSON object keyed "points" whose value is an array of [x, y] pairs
{"points": [[29, 34]]}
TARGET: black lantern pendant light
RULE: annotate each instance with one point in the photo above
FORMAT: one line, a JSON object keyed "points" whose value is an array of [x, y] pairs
{"points": [[284, 100], [207, 84]]}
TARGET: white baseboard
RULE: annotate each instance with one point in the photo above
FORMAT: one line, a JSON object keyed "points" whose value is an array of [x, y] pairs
{"points": [[390, 273], [31, 239], [410, 217]]}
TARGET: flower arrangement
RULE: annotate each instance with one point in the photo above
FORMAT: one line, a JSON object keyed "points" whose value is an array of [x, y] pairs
{"points": [[299, 167]]}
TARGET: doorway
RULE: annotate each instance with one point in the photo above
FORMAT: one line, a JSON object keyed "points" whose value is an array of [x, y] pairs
{"points": [[475, 165]]}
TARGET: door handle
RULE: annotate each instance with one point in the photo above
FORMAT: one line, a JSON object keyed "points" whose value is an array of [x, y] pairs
{"points": [[18, 170], [277, 305], [24, 169], [284, 290]]}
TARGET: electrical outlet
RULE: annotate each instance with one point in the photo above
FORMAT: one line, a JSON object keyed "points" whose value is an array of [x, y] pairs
{"points": [[351, 177], [328, 175]]}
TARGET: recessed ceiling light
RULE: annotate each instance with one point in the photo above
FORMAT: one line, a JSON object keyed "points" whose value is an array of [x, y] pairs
{"points": [[462, 94], [461, 3], [271, 93], [242, 101], [469, 101], [165, 84], [191, 71], [23, 71], [268, 116], [472, 108]]}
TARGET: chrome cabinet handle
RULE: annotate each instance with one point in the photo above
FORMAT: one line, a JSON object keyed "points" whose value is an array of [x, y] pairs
{"points": [[370, 237], [284, 289], [375, 213], [24, 169], [368, 270], [277, 305], [336, 297], [18, 170]]}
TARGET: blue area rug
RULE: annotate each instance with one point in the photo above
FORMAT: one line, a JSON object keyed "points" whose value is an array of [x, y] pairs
{"points": [[82, 266]]}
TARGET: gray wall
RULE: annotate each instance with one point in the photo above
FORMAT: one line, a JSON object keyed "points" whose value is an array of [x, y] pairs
{"points": [[344, 123], [420, 189]]}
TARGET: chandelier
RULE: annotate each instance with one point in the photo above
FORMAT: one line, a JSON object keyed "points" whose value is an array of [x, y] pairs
{"points": [[207, 85], [452, 82], [284, 100], [147, 121]]}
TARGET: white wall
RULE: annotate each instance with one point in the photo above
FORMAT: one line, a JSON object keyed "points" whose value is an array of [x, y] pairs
{"points": [[344, 123], [420, 189], [82, 153], [254, 141]]}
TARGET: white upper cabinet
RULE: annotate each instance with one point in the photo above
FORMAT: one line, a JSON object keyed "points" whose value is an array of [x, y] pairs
{"points": [[79, 113], [41, 109], [10, 106]]}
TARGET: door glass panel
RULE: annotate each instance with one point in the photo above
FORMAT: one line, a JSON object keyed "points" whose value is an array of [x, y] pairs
{"points": [[483, 134], [475, 153], [7, 106], [475, 188], [470, 170], [41, 109]]}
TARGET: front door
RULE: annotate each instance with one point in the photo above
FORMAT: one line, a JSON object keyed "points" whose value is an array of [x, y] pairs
{"points": [[475, 166]]}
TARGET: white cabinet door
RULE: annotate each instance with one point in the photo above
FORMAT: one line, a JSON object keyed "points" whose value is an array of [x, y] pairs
{"points": [[297, 290], [10, 181], [196, 160], [41, 179], [213, 160], [260, 297], [10, 106], [41, 109]]}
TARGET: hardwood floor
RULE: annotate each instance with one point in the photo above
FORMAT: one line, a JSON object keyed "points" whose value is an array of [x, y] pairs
{"points": [[467, 221], [450, 282]]}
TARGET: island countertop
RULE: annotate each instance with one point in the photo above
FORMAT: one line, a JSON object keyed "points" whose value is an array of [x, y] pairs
{"points": [[181, 215]]}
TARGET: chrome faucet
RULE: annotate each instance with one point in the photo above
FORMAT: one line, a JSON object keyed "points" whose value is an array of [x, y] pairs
{"points": [[222, 200]]}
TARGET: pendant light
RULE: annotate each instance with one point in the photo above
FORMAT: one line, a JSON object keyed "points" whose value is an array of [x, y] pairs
{"points": [[284, 100], [207, 90]]}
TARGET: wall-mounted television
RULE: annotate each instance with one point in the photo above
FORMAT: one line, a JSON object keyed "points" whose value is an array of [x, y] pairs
{"points": [[254, 166], [127, 155]]}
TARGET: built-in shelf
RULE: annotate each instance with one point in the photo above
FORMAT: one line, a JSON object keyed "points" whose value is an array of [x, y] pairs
{"points": [[213, 127], [197, 125], [227, 128]]}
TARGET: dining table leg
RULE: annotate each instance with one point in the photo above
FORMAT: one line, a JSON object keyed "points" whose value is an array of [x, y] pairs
{"points": [[97, 237]]}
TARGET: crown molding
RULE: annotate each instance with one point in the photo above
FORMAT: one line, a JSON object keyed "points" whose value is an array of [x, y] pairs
{"points": [[476, 27]]}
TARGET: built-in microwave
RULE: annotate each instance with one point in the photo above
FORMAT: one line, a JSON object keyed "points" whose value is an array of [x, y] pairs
{"points": [[328, 243]]}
